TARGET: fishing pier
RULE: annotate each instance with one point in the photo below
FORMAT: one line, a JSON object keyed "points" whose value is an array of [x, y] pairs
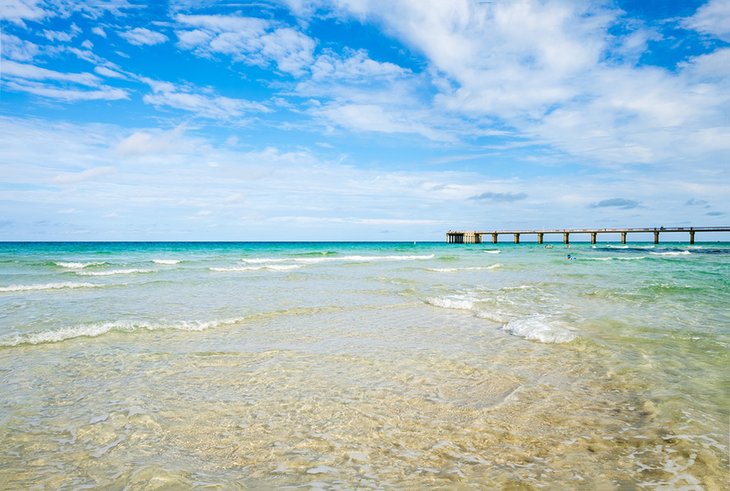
{"points": [[476, 237]]}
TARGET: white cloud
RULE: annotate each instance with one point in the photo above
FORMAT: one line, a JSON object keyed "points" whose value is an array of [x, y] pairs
{"points": [[141, 36], [98, 31], [57, 36], [107, 72], [166, 94], [18, 49], [324, 199], [158, 142], [22, 70], [85, 175], [57, 85], [355, 66], [246, 39], [713, 18], [17, 11], [375, 118], [552, 71], [69, 95]]}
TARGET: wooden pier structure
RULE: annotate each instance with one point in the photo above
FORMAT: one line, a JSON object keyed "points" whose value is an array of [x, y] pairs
{"points": [[475, 237]]}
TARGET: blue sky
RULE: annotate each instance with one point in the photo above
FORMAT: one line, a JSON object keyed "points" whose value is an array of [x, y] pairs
{"points": [[360, 119]]}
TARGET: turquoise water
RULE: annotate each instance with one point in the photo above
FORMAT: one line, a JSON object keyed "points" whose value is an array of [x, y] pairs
{"points": [[364, 365]]}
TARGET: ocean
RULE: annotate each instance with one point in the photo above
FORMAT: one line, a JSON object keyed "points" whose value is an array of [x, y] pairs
{"points": [[364, 366]]}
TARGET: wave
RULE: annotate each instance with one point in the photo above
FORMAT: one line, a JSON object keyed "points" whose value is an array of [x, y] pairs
{"points": [[458, 302], [537, 328], [166, 261], [472, 268], [73, 265], [316, 253], [47, 286], [98, 329], [329, 259], [270, 267], [671, 253], [364, 259], [492, 251], [613, 258], [115, 272], [263, 260]]}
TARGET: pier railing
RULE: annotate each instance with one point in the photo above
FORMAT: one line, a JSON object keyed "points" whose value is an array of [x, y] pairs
{"points": [[476, 237]]}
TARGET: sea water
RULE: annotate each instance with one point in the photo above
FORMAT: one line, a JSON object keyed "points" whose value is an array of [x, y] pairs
{"points": [[364, 366]]}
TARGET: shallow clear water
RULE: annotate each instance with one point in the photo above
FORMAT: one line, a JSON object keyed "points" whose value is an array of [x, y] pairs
{"points": [[382, 365]]}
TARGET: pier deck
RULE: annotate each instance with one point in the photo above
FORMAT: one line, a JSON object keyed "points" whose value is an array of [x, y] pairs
{"points": [[475, 237]]}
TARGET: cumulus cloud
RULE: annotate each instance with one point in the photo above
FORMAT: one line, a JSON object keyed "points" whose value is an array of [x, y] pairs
{"points": [[712, 19], [17, 11], [141, 36], [249, 40], [18, 49], [581, 93], [499, 197], [620, 203]]}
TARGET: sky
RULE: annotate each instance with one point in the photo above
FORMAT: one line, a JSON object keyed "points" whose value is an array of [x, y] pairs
{"points": [[377, 120]]}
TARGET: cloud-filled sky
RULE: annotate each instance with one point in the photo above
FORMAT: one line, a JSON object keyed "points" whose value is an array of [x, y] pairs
{"points": [[360, 119]]}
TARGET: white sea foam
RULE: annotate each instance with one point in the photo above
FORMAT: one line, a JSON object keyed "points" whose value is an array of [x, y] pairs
{"points": [[459, 302], [671, 253], [538, 328], [112, 272], [46, 286], [269, 267], [263, 260], [166, 261], [316, 260], [472, 268], [614, 258], [492, 251], [72, 265], [98, 329]]}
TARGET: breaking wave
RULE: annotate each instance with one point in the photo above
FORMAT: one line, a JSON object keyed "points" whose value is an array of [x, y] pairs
{"points": [[112, 272], [671, 253], [472, 268], [74, 265], [459, 302], [538, 328], [46, 286], [166, 261], [269, 267], [98, 329]]}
